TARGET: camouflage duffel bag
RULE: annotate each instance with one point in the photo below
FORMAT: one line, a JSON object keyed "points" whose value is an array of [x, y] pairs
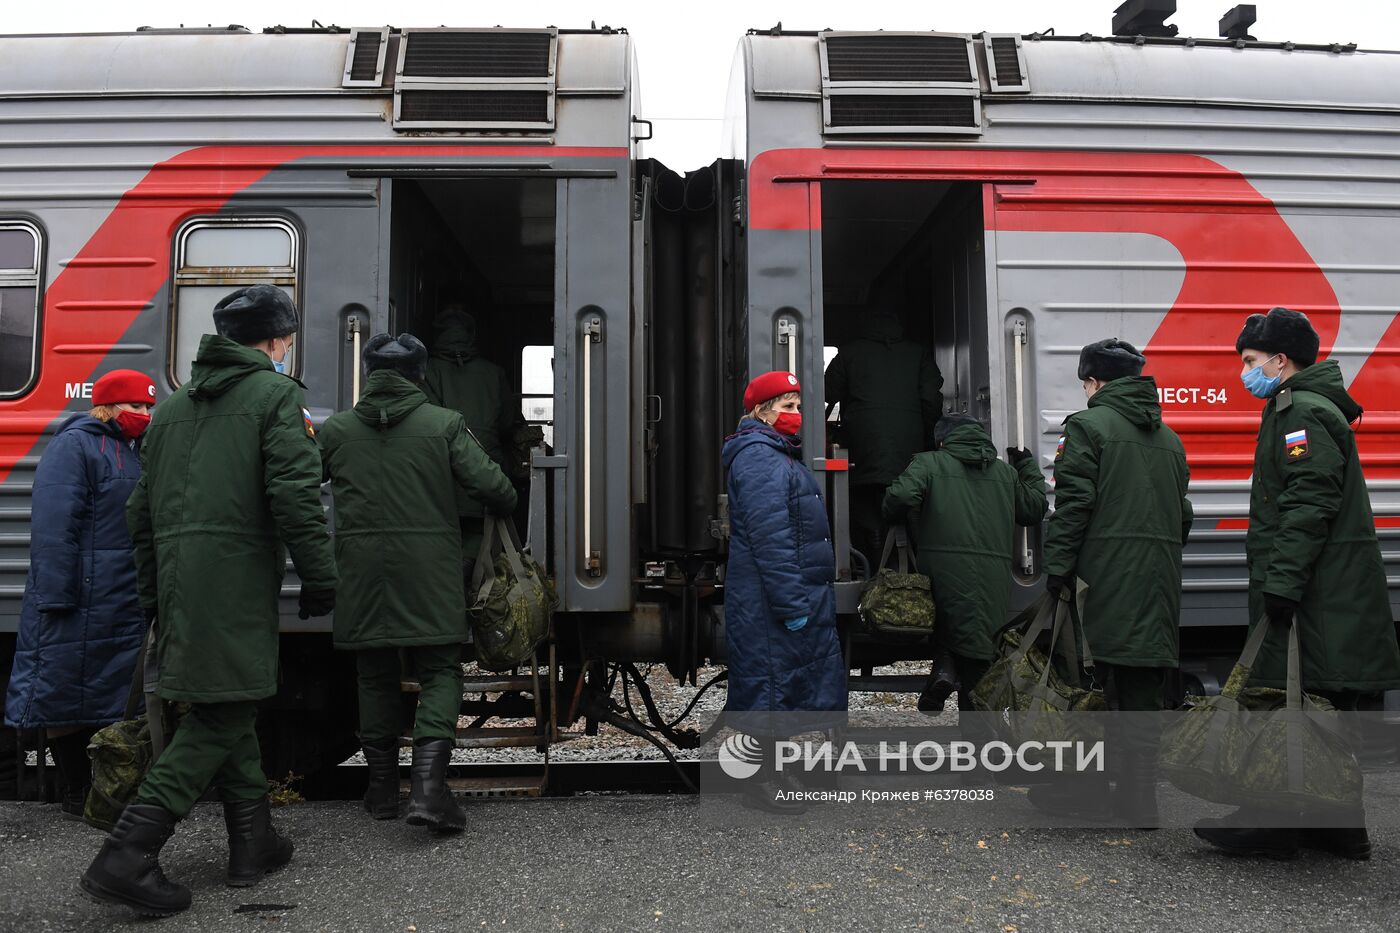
{"points": [[121, 755], [897, 603], [513, 606], [1034, 702], [1262, 747]]}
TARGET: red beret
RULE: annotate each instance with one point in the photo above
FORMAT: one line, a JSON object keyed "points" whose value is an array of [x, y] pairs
{"points": [[769, 385], [124, 385]]}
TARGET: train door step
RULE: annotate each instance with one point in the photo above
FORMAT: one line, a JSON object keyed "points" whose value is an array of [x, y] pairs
{"points": [[498, 683], [528, 785]]}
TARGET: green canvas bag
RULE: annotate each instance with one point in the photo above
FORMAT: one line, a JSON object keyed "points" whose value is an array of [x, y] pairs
{"points": [[124, 751], [897, 603], [1035, 702], [1262, 747], [514, 603]]}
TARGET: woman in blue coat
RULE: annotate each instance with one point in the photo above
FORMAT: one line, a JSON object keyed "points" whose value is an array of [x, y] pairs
{"points": [[81, 625], [779, 603]]}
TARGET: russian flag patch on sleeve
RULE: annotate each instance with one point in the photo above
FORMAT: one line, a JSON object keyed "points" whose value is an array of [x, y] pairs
{"points": [[1060, 447], [306, 418], [1295, 444]]}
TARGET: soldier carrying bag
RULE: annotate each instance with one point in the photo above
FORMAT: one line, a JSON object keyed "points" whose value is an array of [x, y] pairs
{"points": [[513, 606], [1281, 750], [897, 603], [123, 752]]}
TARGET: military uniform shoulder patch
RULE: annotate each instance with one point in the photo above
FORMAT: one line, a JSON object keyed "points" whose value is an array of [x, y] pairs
{"points": [[1060, 447], [306, 419], [1295, 445]]}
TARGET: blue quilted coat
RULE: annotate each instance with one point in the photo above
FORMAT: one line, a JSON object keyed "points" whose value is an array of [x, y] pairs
{"points": [[781, 566], [80, 625]]}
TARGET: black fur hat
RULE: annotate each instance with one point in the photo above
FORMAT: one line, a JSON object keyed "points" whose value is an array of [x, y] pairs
{"points": [[1110, 359], [1280, 331], [406, 356], [256, 313], [948, 424]]}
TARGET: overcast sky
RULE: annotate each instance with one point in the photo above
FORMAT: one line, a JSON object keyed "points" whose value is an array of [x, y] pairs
{"points": [[684, 49]]}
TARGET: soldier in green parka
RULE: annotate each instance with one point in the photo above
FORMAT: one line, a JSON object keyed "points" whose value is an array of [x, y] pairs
{"points": [[231, 481], [1313, 558], [967, 505], [393, 461], [891, 395], [1120, 523], [459, 378]]}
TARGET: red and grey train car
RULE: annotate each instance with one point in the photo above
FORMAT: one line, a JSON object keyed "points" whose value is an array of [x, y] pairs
{"points": [[1014, 197]]}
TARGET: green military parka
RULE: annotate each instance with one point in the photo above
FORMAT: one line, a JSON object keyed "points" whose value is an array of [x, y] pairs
{"points": [[1120, 522], [890, 392], [461, 380], [1312, 540], [230, 473], [395, 463], [967, 505]]}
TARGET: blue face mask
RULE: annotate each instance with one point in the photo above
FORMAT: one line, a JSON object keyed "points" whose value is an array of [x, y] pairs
{"points": [[1259, 384], [281, 365]]}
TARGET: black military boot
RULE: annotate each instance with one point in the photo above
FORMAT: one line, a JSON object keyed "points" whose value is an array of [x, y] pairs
{"points": [[254, 845], [74, 771], [942, 681], [1351, 842], [1248, 832], [1348, 838], [382, 796], [127, 869], [430, 802]]}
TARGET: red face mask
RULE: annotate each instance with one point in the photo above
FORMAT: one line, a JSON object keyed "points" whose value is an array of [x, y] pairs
{"points": [[133, 423], [789, 423]]}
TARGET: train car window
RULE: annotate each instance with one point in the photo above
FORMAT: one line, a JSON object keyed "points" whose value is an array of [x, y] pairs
{"points": [[216, 255], [19, 306], [537, 388]]}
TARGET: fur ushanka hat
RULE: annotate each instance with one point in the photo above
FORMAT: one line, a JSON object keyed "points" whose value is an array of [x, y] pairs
{"points": [[254, 314], [406, 356], [1280, 331], [1110, 359]]}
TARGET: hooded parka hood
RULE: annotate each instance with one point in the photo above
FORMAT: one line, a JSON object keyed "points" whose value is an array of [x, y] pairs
{"points": [[971, 446], [388, 399], [1325, 379], [221, 364], [456, 339], [1133, 397]]}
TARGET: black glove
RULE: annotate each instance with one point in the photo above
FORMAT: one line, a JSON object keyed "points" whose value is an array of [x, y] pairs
{"points": [[1279, 610], [315, 603], [1056, 584], [1015, 455]]}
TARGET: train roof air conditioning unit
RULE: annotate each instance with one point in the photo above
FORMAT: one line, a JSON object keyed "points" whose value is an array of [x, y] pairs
{"points": [[476, 79], [898, 83]]}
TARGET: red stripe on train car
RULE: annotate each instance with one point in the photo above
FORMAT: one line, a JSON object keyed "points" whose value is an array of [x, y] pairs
{"points": [[93, 302]]}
